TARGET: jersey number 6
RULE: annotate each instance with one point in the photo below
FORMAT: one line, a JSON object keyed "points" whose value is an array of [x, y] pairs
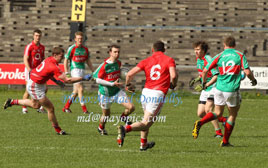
{"points": [[155, 74]]}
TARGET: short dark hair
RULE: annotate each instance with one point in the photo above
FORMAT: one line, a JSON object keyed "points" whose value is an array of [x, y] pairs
{"points": [[229, 41], [113, 46], [57, 50], [37, 31], [204, 45], [159, 46]]}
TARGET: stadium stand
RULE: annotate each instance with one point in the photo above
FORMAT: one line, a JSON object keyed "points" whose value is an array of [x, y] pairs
{"points": [[135, 25]]}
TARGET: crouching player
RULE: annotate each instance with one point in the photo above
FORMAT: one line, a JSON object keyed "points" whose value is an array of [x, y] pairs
{"points": [[36, 86]]}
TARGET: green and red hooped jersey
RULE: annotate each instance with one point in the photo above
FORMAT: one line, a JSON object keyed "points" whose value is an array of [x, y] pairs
{"points": [[109, 71], [201, 64], [229, 63], [77, 56]]}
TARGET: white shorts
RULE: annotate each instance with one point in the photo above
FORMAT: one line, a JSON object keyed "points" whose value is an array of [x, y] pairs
{"points": [[36, 91], [105, 101], [232, 99], [206, 95], [26, 74], [152, 100], [77, 73]]}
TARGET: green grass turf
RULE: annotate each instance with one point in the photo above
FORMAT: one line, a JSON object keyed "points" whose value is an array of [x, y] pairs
{"points": [[28, 140]]}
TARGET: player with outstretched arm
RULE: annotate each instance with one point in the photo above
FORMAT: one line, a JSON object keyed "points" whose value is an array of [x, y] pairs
{"points": [[36, 86]]}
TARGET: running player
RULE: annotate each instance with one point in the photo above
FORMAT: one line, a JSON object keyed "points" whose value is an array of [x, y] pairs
{"points": [[229, 62], [160, 73], [36, 86], [78, 55], [34, 54], [206, 100], [107, 76]]}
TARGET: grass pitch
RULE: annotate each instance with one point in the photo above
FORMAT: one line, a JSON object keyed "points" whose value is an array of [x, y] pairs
{"points": [[28, 140]]}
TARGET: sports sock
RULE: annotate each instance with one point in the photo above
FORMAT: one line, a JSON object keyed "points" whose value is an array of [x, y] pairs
{"points": [[222, 119], [228, 131], [101, 127], [128, 128], [57, 128], [15, 102], [218, 132], [84, 108], [143, 141], [24, 107], [208, 117], [68, 103]]}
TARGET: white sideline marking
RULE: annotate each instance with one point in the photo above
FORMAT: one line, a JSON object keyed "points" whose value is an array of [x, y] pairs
{"points": [[63, 148]]}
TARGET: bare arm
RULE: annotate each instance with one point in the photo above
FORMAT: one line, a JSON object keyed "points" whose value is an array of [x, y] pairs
{"points": [[204, 75], [173, 76], [249, 74], [65, 63], [70, 80], [89, 64], [212, 81], [131, 74], [26, 63]]}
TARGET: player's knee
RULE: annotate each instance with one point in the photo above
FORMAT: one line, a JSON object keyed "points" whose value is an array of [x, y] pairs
{"points": [[201, 114], [74, 94], [131, 108], [36, 105], [50, 110], [106, 113]]}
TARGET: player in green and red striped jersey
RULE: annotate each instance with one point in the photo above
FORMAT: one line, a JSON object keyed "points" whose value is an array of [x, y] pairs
{"points": [[230, 62], [107, 76], [78, 55], [206, 100]]}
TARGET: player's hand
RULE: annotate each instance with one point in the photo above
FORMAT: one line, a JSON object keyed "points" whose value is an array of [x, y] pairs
{"points": [[171, 86], [117, 83], [192, 82], [60, 83], [130, 88], [87, 77], [198, 88], [253, 82], [68, 75]]}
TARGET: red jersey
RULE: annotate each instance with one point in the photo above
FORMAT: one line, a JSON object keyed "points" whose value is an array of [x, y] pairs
{"points": [[36, 54], [47, 69], [156, 68]]}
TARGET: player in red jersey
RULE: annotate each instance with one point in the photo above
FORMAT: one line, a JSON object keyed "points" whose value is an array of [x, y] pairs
{"points": [[34, 54], [36, 86], [160, 73]]}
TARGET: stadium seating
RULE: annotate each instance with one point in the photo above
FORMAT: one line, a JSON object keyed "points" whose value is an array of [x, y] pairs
{"points": [[135, 25]]}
